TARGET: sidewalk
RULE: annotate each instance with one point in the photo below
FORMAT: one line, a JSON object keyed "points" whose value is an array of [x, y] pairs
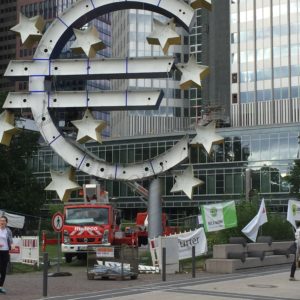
{"points": [[271, 283]]}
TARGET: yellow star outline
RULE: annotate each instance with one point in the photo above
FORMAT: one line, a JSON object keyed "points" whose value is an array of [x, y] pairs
{"points": [[29, 29], [89, 128], [7, 127], [87, 41], [186, 182], [195, 4], [164, 34], [63, 183], [192, 73], [206, 136]]}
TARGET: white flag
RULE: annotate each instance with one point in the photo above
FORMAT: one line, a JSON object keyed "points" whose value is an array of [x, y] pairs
{"points": [[293, 212], [251, 229]]}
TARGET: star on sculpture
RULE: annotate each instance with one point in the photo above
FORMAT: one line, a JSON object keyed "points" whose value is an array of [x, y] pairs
{"points": [[195, 4], [89, 128], [7, 127], [29, 29], [186, 182], [192, 73], [164, 34], [206, 136], [87, 41], [63, 183]]}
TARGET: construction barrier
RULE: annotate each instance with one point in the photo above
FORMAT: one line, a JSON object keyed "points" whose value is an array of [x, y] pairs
{"points": [[26, 250]]}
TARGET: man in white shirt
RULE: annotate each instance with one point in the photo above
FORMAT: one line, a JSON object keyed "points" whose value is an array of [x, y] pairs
{"points": [[295, 249]]}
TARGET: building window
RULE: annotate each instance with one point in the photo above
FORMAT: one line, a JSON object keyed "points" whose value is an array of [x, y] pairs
{"points": [[234, 99], [234, 77]]}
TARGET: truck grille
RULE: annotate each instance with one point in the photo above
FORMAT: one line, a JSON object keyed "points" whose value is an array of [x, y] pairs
{"points": [[86, 240]]}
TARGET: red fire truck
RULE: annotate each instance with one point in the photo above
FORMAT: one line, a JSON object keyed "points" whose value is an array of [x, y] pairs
{"points": [[96, 222]]}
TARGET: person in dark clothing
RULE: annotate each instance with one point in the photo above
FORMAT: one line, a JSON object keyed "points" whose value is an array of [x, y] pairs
{"points": [[6, 241], [294, 249]]}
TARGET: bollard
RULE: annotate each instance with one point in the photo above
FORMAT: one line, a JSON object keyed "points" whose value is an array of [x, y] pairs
{"points": [[122, 261], [43, 241], [45, 274], [163, 262], [193, 262]]}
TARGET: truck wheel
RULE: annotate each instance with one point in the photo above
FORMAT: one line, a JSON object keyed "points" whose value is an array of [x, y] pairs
{"points": [[133, 277], [90, 276], [68, 258]]}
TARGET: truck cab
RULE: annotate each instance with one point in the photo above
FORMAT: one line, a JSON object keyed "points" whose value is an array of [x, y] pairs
{"points": [[90, 223]]}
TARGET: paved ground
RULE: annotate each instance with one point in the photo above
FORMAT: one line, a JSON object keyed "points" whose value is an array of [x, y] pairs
{"points": [[259, 284]]}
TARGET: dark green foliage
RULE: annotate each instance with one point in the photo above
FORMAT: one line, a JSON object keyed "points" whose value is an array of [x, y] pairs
{"points": [[20, 192], [294, 178], [277, 227]]}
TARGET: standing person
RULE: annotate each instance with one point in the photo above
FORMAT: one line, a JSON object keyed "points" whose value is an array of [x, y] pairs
{"points": [[295, 248], [6, 241]]}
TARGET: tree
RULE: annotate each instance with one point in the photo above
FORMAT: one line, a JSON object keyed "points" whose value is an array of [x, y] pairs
{"points": [[294, 178], [20, 190]]}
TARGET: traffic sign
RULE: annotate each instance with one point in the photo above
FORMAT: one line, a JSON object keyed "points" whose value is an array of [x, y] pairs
{"points": [[57, 221]]}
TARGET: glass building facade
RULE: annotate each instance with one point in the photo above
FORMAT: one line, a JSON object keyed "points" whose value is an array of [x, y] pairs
{"points": [[259, 157], [265, 62]]}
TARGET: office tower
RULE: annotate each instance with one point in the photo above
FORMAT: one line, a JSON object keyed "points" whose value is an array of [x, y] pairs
{"points": [[264, 62], [129, 31], [209, 43], [7, 40]]}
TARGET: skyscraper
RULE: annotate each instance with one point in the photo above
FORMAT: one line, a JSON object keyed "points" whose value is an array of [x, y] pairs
{"points": [[7, 39], [264, 62], [129, 31]]}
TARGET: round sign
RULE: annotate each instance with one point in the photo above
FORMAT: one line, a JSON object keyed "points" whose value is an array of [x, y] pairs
{"points": [[57, 221]]}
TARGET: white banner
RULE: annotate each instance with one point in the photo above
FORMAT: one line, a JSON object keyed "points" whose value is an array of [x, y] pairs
{"points": [[187, 240], [14, 221]]}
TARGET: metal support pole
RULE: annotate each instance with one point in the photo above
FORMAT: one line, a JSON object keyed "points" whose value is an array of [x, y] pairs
{"points": [[154, 210], [163, 263], [45, 274], [58, 252], [248, 183], [193, 262], [122, 262]]}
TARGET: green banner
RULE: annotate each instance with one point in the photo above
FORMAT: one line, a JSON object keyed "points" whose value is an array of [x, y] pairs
{"points": [[219, 216]]}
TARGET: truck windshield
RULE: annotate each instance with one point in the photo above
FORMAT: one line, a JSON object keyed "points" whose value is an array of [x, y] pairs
{"points": [[86, 216]]}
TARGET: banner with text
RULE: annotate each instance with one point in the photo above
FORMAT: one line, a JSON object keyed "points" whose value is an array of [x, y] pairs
{"points": [[187, 240], [219, 216]]}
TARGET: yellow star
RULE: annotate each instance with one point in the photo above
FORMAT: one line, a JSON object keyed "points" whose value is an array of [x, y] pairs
{"points": [[7, 127], [186, 182], [29, 29], [206, 136], [63, 183], [192, 73], [201, 4], [89, 128], [164, 34], [87, 41]]}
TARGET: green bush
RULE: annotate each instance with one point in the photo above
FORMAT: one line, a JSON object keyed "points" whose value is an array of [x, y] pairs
{"points": [[277, 227]]}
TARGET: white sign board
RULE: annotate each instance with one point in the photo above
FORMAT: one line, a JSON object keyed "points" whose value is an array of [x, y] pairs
{"points": [[16, 253], [105, 252], [30, 250]]}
